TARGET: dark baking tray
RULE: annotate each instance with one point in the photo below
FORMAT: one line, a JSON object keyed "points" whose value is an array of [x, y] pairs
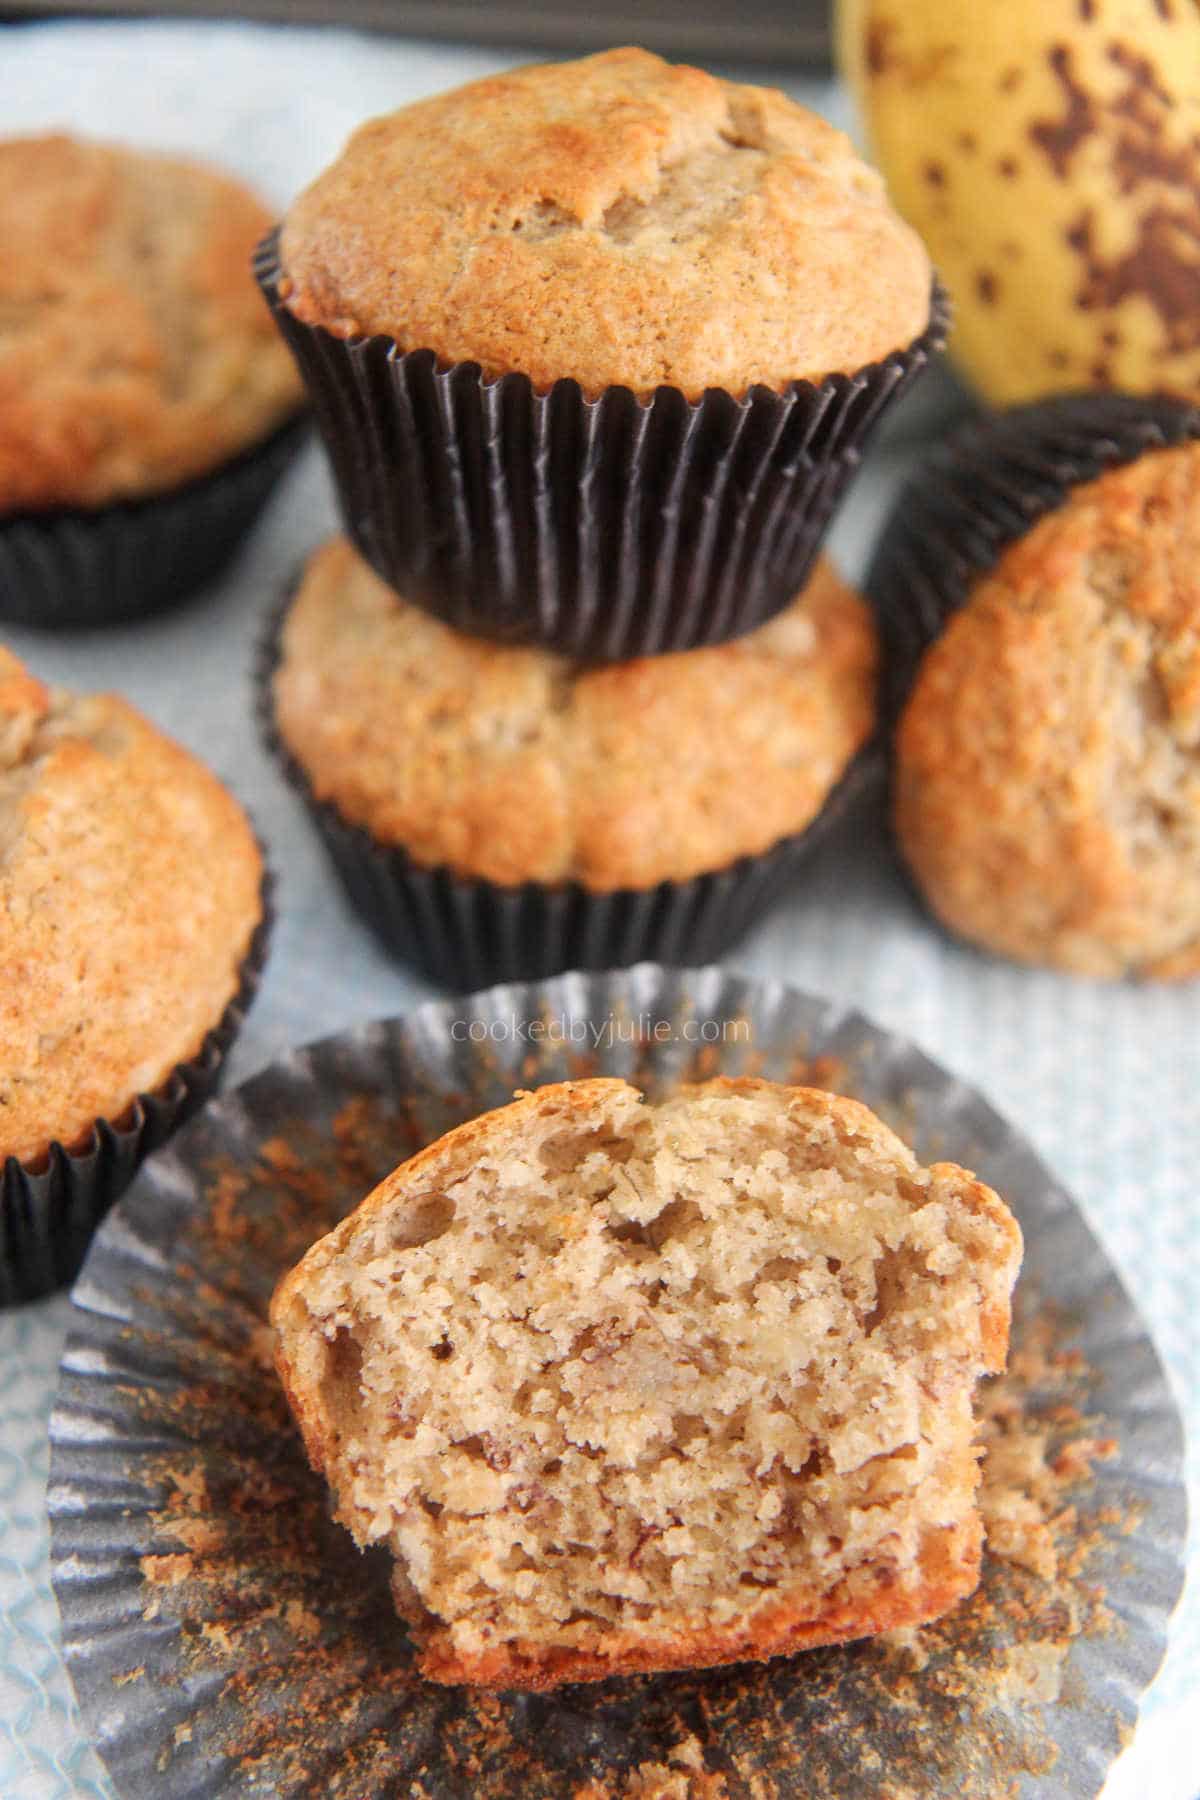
{"points": [[767, 31]]}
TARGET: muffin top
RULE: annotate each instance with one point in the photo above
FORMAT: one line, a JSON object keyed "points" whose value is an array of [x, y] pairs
{"points": [[1048, 760], [620, 220], [129, 892], [516, 764], [135, 350]]}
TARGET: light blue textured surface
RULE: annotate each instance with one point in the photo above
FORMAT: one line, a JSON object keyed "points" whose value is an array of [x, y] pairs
{"points": [[1104, 1080]]}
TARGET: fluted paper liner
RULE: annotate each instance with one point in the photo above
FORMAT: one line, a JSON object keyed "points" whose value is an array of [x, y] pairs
{"points": [[464, 932], [50, 1209], [225, 1637], [603, 528], [75, 567], [984, 488]]}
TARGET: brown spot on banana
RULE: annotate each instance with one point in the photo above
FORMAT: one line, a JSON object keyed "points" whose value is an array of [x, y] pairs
{"points": [[1162, 268], [1059, 139]]}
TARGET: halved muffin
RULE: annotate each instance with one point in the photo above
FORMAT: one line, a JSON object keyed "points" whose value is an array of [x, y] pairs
{"points": [[636, 1387]]}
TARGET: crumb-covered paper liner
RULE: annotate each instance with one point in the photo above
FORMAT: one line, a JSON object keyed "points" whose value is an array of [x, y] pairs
{"points": [[74, 567], [50, 1209], [225, 1637], [464, 932], [981, 490], [604, 528]]}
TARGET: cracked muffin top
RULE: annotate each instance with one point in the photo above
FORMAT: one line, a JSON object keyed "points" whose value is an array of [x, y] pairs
{"points": [[618, 220], [135, 350], [129, 892], [515, 764], [1048, 761]]}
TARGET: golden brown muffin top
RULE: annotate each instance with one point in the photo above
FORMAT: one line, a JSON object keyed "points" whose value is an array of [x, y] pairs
{"points": [[1048, 783], [516, 764], [621, 220], [129, 892], [135, 350]]}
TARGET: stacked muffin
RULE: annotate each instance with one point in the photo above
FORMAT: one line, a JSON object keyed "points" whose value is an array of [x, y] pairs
{"points": [[594, 348]]}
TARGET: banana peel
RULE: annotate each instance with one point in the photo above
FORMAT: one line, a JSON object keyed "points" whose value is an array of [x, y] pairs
{"points": [[1048, 151]]}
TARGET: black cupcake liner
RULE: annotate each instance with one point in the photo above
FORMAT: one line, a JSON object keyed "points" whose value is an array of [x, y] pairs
{"points": [[984, 488], [463, 932], [605, 529], [71, 567], [49, 1214]]}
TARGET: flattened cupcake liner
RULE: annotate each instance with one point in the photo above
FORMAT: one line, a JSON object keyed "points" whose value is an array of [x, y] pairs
{"points": [[464, 932], [49, 1213], [984, 488], [604, 528], [225, 1638], [71, 567]]}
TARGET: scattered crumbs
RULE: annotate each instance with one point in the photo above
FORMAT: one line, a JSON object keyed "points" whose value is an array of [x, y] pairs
{"points": [[907, 1642], [1028, 1468], [278, 1154], [227, 1192], [315, 1667], [682, 1775], [300, 1620], [189, 1492], [199, 1535], [828, 1072], [128, 1675], [1034, 1672], [167, 1571], [354, 1127], [261, 1346]]}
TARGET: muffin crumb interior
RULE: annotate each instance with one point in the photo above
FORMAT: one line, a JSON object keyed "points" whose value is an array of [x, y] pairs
{"points": [[657, 1367]]}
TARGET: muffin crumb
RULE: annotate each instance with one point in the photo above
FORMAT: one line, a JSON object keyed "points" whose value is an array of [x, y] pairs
{"points": [[627, 1387]]}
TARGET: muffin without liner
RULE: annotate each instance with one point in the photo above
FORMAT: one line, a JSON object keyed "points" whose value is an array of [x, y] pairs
{"points": [[628, 1388]]}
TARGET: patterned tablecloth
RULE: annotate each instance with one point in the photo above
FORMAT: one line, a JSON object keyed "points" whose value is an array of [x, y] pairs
{"points": [[1105, 1080]]}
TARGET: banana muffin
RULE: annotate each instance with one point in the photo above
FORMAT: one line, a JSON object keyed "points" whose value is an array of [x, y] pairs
{"points": [[484, 287], [136, 352], [618, 220], [136, 357], [514, 768], [1047, 761], [131, 907], [627, 1387]]}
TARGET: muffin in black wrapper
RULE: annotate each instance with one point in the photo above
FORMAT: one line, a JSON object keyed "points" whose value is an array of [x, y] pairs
{"points": [[80, 567], [984, 488], [463, 932], [50, 1209], [603, 528]]}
